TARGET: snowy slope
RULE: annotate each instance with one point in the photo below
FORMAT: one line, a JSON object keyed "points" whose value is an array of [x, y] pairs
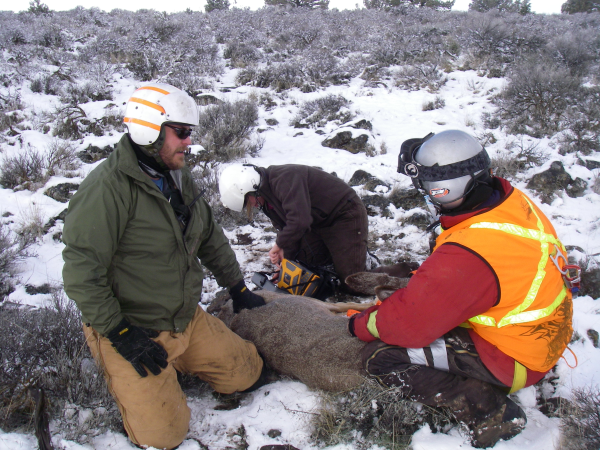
{"points": [[396, 115]]}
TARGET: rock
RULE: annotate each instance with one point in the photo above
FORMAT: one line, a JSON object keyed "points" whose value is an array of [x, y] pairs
{"points": [[590, 283], [272, 122], [379, 201], [278, 447], [420, 220], [53, 220], [593, 335], [274, 433], [406, 199], [362, 124], [548, 182], [592, 164], [360, 177], [371, 185], [375, 204], [556, 407], [92, 153], [62, 215], [42, 289], [577, 188], [320, 132], [62, 192], [344, 141], [244, 239], [300, 133]]}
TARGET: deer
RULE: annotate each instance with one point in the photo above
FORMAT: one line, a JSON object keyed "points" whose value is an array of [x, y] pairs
{"points": [[307, 339]]}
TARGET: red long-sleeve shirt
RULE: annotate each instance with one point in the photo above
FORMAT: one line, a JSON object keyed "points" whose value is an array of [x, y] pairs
{"points": [[451, 286]]}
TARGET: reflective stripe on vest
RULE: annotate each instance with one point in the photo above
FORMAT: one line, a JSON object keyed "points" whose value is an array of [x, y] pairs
{"points": [[546, 240], [519, 378]]}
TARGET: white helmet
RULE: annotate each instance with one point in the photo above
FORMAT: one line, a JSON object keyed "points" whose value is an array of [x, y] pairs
{"points": [[153, 105], [235, 182], [444, 165]]}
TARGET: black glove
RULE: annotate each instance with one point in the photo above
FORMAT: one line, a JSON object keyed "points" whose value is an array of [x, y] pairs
{"points": [[244, 298], [134, 344]]}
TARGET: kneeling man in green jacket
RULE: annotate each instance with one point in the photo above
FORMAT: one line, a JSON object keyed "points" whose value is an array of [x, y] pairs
{"points": [[135, 233]]}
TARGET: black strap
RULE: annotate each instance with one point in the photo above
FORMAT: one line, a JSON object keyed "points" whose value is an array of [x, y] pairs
{"points": [[480, 161], [172, 193]]}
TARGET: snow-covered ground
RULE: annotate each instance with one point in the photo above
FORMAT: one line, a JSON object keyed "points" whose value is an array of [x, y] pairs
{"points": [[396, 115]]}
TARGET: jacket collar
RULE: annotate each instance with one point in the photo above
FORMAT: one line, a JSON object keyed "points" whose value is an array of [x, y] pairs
{"points": [[128, 163], [500, 184]]}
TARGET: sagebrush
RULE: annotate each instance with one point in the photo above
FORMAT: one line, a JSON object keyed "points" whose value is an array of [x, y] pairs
{"points": [[45, 348], [381, 416]]}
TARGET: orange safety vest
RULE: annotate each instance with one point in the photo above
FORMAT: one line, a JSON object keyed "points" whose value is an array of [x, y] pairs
{"points": [[532, 320]]}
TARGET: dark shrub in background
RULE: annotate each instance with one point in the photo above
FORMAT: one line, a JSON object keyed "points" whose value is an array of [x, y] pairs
{"points": [[536, 98], [225, 129], [318, 112], [45, 347]]}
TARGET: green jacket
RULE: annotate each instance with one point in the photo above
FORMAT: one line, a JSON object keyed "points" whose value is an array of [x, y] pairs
{"points": [[126, 256]]}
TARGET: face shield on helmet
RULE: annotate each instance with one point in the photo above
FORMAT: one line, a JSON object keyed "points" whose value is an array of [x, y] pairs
{"points": [[444, 165], [235, 182], [152, 106]]}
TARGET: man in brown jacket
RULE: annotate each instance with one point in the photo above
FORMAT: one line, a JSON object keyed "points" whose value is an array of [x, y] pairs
{"points": [[319, 218]]}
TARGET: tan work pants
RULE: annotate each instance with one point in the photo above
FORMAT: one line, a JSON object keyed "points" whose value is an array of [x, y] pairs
{"points": [[154, 408]]}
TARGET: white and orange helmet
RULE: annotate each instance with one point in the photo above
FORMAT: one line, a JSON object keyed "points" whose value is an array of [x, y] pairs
{"points": [[153, 105]]}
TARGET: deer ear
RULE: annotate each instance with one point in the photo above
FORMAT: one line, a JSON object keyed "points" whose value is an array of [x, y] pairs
{"points": [[383, 292], [366, 282]]}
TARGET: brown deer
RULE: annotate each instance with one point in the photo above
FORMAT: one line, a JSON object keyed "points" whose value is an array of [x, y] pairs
{"points": [[305, 339]]}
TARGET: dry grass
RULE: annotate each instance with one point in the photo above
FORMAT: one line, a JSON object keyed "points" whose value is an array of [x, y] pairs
{"points": [[518, 157], [580, 423], [12, 251], [596, 183], [45, 348], [373, 415]]}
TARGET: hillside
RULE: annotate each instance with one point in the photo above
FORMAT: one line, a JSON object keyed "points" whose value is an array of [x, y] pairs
{"points": [[273, 86]]}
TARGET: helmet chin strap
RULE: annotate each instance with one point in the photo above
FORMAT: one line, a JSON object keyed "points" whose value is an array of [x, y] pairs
{"points": [[149, 161], [479, 193], [474, 195], [434, 209], [152, 150]]}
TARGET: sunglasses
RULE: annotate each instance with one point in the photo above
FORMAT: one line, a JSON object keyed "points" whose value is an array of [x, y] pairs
{"points": [[181, 133]]}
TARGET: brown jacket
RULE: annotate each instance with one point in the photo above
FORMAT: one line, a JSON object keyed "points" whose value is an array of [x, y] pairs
{"points": [[300, 199]]}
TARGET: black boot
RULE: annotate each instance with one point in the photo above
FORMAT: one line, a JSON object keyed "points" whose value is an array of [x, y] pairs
{"points": [[483, 408], [505, 424], [487, 412], [267, 375]]}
